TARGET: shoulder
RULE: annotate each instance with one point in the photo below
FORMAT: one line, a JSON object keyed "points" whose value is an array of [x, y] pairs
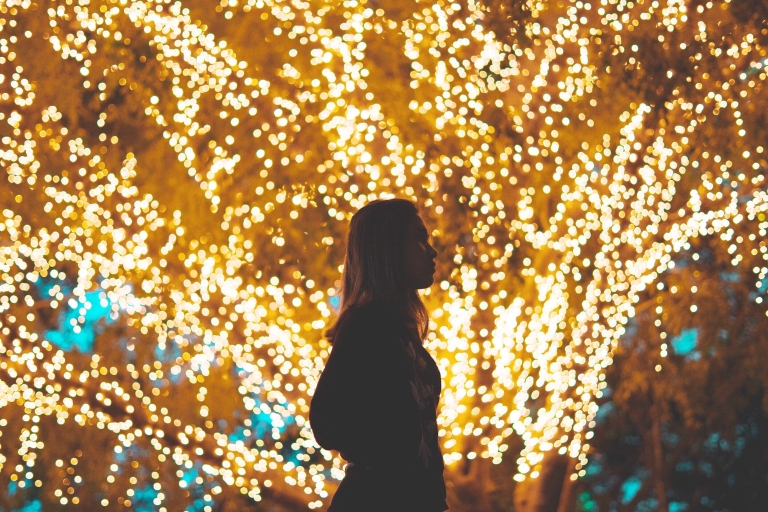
{"points": [[371, 314], [372, 323]]}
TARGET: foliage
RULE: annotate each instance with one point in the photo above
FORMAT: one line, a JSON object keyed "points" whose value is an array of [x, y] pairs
{"points": [[705, 394], [180, 177]]}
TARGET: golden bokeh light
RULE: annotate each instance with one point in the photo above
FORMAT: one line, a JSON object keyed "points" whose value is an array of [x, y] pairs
{"points": [[181, 177]]}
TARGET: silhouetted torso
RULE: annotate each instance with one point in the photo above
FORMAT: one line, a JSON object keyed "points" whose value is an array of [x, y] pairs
{"points": [[376, 404]]}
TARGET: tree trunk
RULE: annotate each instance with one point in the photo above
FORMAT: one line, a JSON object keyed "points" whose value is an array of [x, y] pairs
{"points": [[543, 494], [658, 456], [469, 486], [566, 493]]}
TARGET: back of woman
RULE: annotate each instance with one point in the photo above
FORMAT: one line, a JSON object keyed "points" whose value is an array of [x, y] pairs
{"points": [[377, 398]]}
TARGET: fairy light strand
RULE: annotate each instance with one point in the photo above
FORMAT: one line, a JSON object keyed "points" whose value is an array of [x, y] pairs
{"points": [[511, 127]]}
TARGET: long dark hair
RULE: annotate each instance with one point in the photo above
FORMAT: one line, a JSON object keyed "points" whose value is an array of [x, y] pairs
{"points": [[374, 266]]}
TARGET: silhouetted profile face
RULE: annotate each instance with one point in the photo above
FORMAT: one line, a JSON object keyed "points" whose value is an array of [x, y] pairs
{"points": [[419, 255]]}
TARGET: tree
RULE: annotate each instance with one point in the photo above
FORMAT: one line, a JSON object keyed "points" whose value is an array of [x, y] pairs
{"points": [[179, 180], [684, 425]]}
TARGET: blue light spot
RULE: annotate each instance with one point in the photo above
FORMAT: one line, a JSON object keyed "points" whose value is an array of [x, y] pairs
{"points": [[168, 353], [144, 498], [587, 503], [707, 469], [756, 68], [32, 506], [713, 441], [678, 506], [238, 435], [95, 308], [603, 412], [335, 302], [594, 468], [121, 457], [629, 489], [46, 285], [739, 445], [649, 505], [685, 343]]}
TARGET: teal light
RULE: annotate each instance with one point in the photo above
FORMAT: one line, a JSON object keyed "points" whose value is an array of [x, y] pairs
{"points": [[685, 343], [73, 334], [629, 489]]}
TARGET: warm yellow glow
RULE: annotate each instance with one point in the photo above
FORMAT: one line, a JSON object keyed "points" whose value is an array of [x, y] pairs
{"points": [[517, 359]]}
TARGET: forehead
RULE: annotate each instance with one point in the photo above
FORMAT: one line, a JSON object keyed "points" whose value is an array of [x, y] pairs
{"points": [[416, 226]]}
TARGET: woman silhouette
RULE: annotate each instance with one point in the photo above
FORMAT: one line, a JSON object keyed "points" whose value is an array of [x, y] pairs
{"points": [[377, 398]]}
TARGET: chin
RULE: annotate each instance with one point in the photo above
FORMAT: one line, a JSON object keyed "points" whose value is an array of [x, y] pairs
{"points": [[427, 283]]}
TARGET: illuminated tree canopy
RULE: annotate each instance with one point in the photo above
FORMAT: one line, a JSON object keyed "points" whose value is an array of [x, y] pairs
{"points": [[180, 176]]}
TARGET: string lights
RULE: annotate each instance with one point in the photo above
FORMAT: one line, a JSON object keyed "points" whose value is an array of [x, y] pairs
{"points": [[181, 178]]}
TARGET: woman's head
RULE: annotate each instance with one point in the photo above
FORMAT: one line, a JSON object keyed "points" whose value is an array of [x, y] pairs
{"points": [[388, 258]]}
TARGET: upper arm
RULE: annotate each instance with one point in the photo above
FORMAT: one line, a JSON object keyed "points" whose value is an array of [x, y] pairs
{"points": [[366, 360], [364, 389], [339, 385]]}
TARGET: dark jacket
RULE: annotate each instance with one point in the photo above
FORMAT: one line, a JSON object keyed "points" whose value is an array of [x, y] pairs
{"points": [[365, 407]]}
